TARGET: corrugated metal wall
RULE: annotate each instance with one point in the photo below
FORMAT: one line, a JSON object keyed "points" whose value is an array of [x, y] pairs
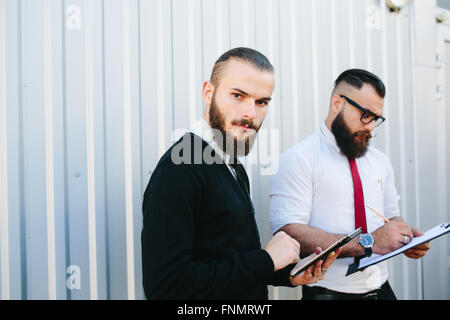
{"points": [[91, 91]]}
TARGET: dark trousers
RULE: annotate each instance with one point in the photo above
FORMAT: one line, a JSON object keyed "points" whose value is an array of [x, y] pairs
{"points": [[385, 292]]}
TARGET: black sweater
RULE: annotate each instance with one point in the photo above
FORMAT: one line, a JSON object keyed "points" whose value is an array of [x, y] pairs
{"points": [[199, 237]]}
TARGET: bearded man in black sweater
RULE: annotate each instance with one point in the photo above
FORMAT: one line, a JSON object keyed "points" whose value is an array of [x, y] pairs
{"points": [[200, 239]]}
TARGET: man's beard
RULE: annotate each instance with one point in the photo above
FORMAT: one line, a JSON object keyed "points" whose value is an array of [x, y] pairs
{"points": [[224, 138], [351, 144]]}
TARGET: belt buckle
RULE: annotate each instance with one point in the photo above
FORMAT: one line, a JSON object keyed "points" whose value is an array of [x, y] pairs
{"points": [[371, 296]]}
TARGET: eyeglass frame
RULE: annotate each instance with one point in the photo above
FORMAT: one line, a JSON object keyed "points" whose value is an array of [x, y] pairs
{"points": [[365, 112]]}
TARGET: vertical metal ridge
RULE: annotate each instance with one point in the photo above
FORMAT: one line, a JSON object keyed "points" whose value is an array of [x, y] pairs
{"points": [[172, 67], [384, 44], [278, 36], [315, 65], [271, 54], [191, 64], [368, 43], [105, 174], [245, 31], [23, 246], [387, 128], [160, 90], [351, 33], [92, 229], [141, 145], [272, 117], [66, 148], [412, 43], [294, 68], [4, 232], [128, 154], [333, 40], [401, 129], [219, 14], [49, 152], [202, 39]]}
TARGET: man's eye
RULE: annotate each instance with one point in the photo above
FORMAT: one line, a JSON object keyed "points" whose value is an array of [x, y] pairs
{"points": [[262, 102], [236, 95]]}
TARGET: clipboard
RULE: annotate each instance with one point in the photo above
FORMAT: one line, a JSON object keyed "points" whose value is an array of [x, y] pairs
{"points": [[433, 233], [304, 264]]}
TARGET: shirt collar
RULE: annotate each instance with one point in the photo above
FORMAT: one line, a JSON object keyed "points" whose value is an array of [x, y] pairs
{"points": [[329, 137], [204, 131]]}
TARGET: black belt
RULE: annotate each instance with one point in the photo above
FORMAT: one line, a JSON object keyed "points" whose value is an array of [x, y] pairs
{"points": [[320, 293]]}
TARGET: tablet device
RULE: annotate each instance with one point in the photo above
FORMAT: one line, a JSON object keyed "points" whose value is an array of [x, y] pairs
{"points": [[304, 264]]}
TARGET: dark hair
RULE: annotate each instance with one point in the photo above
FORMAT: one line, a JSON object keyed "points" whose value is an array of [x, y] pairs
{"points": [[249, 55], [357, 77]]}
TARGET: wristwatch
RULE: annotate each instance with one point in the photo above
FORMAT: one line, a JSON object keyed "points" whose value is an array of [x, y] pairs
{"points": [[366, 241]]}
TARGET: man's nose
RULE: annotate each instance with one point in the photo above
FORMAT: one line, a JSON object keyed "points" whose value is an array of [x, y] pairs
{"points": [[250, 110], [370, 126]]}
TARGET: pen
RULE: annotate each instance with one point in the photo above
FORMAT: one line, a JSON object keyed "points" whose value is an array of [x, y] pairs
{"points": [[381, 216]]}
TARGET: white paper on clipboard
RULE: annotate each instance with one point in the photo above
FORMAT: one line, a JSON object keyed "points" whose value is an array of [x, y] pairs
{"points": [[431, 234]]}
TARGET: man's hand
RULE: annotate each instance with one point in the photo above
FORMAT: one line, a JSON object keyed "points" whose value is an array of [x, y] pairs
{"points": [[283, 250], [316, 272], [420, 250], [391, 236]]}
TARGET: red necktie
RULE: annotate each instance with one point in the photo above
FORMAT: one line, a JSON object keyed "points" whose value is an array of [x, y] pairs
{"points": [[360, 212]]}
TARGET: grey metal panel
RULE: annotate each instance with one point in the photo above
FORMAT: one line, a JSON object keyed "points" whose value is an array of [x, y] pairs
{"points": [[443, 4], [447, 108], [98, 137], [156, 76], [267, 41], [115, 180], [76, 148], [428, 162], [135, 148], [17, 272], [288, 88], [439, 250], [34, 151], [215, 32], [242, 25], [425, 31], [321, 24], [55, 45], [187, 62], [401, 147], [126, 74]]}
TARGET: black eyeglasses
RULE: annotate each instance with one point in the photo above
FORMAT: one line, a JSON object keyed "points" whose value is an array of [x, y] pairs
{"points": [[367, 116]]}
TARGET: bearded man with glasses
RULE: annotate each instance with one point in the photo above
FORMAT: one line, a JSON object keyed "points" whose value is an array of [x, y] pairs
{"points": [[324, 184]]}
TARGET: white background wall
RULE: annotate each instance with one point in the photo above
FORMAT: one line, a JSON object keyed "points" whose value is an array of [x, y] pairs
{"points": [[91, 91]]}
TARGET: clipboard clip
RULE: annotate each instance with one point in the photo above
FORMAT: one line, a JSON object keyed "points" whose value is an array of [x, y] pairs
{"points": [[354, 267]]}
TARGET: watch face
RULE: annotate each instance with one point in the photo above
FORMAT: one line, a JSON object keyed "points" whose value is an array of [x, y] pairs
{"points": [[366, 240]]}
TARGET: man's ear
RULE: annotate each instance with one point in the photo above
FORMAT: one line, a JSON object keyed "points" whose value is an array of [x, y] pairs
{"points": [[207, 92], [336, 104]]}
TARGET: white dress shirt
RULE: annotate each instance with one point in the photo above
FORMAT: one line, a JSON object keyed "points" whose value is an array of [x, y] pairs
{"points": [[314, 186]]}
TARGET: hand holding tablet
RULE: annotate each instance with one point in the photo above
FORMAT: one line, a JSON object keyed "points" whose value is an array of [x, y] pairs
{"points": [[304, 264]]}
